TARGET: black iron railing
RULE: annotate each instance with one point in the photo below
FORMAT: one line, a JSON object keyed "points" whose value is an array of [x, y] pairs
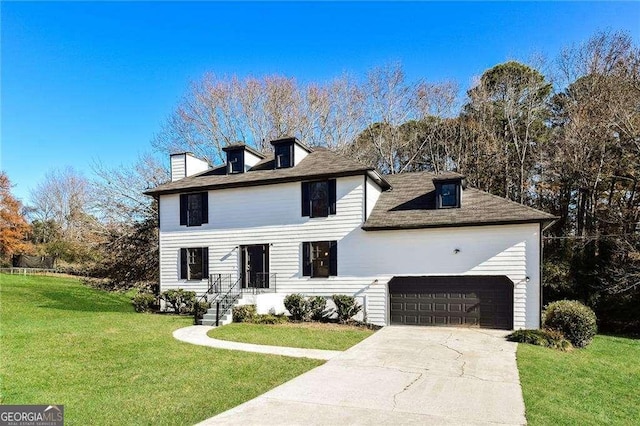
{"points": [[203, 302], [223, 291], [260, 282], [224, 301]]}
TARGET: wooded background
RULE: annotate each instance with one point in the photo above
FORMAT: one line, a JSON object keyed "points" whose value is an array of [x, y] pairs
{"points": [[562, 136]]}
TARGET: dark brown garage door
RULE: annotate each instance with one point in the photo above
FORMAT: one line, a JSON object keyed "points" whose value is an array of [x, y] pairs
{"points": [[475, 301]]}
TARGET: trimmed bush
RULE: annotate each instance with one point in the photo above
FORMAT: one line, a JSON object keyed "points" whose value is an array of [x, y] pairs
{"points": [[573, 319], [318, 308], [179, 301], [144, 302], [548, 338], [243, 313], [201, 308], [269, 319], [298, 306], [346, 307]]}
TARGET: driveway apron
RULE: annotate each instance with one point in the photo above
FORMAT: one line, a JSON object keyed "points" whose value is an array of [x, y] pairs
{"points": [[400, 375]]}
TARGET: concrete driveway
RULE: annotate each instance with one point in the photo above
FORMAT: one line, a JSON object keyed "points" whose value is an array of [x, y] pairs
{"points": [[400, 375]]}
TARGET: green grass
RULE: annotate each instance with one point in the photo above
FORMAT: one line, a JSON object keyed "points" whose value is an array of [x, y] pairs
{"points": [[597, 385], [64, 343], [296, 335]]}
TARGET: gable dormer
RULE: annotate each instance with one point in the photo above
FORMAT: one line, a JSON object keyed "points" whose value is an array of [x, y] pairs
{"points": [[448, 191], [288, 152], [241, 158]]}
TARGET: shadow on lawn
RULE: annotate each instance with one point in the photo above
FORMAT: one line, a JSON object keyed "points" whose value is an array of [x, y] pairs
{"points": [[72, 299]]}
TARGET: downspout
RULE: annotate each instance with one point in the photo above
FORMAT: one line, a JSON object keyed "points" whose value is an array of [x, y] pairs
{"points": [[540, 275], [364, 213]]}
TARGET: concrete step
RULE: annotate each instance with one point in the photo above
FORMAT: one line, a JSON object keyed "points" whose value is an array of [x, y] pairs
{"points": [[211, 320]]}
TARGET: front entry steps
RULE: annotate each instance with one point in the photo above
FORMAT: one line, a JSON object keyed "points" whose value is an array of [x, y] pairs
{"points": [[227, 318], [210, 318]]}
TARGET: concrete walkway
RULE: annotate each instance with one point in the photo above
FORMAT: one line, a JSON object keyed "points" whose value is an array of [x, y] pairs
{"points": [[197, 335], [400, 375]]}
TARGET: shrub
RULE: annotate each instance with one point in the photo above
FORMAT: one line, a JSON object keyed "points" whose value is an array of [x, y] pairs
{"points": [[548, 338], [243, 313], [269, 319], [346, 306], [318, 308], [179, 301], [573, 319], [200, 309], [144, 302], [297, 306]]}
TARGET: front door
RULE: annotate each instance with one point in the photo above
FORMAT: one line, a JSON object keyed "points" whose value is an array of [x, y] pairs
{"points": [[255, 266]]}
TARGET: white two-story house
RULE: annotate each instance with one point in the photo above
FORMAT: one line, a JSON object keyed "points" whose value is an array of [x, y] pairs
{"points": [[414, 248]]}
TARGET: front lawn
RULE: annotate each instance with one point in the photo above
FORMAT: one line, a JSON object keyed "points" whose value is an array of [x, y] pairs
{"points": [[64, 343], [593, 386], [296, 335]]}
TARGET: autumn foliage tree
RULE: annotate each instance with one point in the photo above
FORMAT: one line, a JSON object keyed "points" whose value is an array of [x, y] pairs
{"points": [[14, 229]]}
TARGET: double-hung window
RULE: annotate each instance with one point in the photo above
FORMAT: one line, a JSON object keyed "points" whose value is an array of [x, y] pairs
{"points": [[284, 156], [235, 162], [194, 263], [319, 198], [320, 259], [448, 195], [194, 209]]}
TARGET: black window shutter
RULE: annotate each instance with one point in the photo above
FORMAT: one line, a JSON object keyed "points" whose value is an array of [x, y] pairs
{"points": [[205, 207], [306, 210], [332, 196], [333, 258], [183, 264], [205, 263], [306, 259], [183, 209]]}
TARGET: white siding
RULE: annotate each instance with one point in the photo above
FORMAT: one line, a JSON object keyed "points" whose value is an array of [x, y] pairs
{"points": [[195, 165], [299, 153], [373, 193], [511, 250], [185, 164], [177, 167], [366, 260], [250, 159], [260, 215]]}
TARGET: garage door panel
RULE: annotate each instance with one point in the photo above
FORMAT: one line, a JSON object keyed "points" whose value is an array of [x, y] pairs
{"points": [[455, 301]]}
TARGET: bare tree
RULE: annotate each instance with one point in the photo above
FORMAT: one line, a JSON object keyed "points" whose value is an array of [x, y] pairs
{"points": [[118, 193], [220, 111], [62, 202]]}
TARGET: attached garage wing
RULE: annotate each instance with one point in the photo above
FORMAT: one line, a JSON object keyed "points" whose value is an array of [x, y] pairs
{"points": [[463, 301]]}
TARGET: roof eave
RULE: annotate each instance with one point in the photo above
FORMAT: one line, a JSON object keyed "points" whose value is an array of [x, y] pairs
{"points": [[262, 182], [452, 225]]}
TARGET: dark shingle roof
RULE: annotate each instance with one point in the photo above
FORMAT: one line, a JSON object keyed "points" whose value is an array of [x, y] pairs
{"points": [[411, 204], [240, 145], [321, 163]]}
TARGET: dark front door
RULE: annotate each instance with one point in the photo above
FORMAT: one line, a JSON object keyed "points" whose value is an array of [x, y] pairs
{"points": [[475, 301], [255, 266]]}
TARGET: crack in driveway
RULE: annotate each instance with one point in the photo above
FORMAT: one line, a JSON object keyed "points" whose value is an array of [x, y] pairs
{"points": [[395, 401]]}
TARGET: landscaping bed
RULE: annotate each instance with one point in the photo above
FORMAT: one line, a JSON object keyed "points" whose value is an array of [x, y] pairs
{"points": [[65, 343], [308, 335], [591, 386]]}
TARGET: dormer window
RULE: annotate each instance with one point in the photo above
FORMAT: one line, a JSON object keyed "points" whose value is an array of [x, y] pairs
{"points": [[235, 161], [288, 152], [284, 156], [448, 194], [241, 158]]}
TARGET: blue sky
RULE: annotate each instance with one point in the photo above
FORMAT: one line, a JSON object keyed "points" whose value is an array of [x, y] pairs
{"points": [[85, 82]]}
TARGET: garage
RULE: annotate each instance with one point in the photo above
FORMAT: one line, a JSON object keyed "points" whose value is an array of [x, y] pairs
{"points": [[460, 301]]}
